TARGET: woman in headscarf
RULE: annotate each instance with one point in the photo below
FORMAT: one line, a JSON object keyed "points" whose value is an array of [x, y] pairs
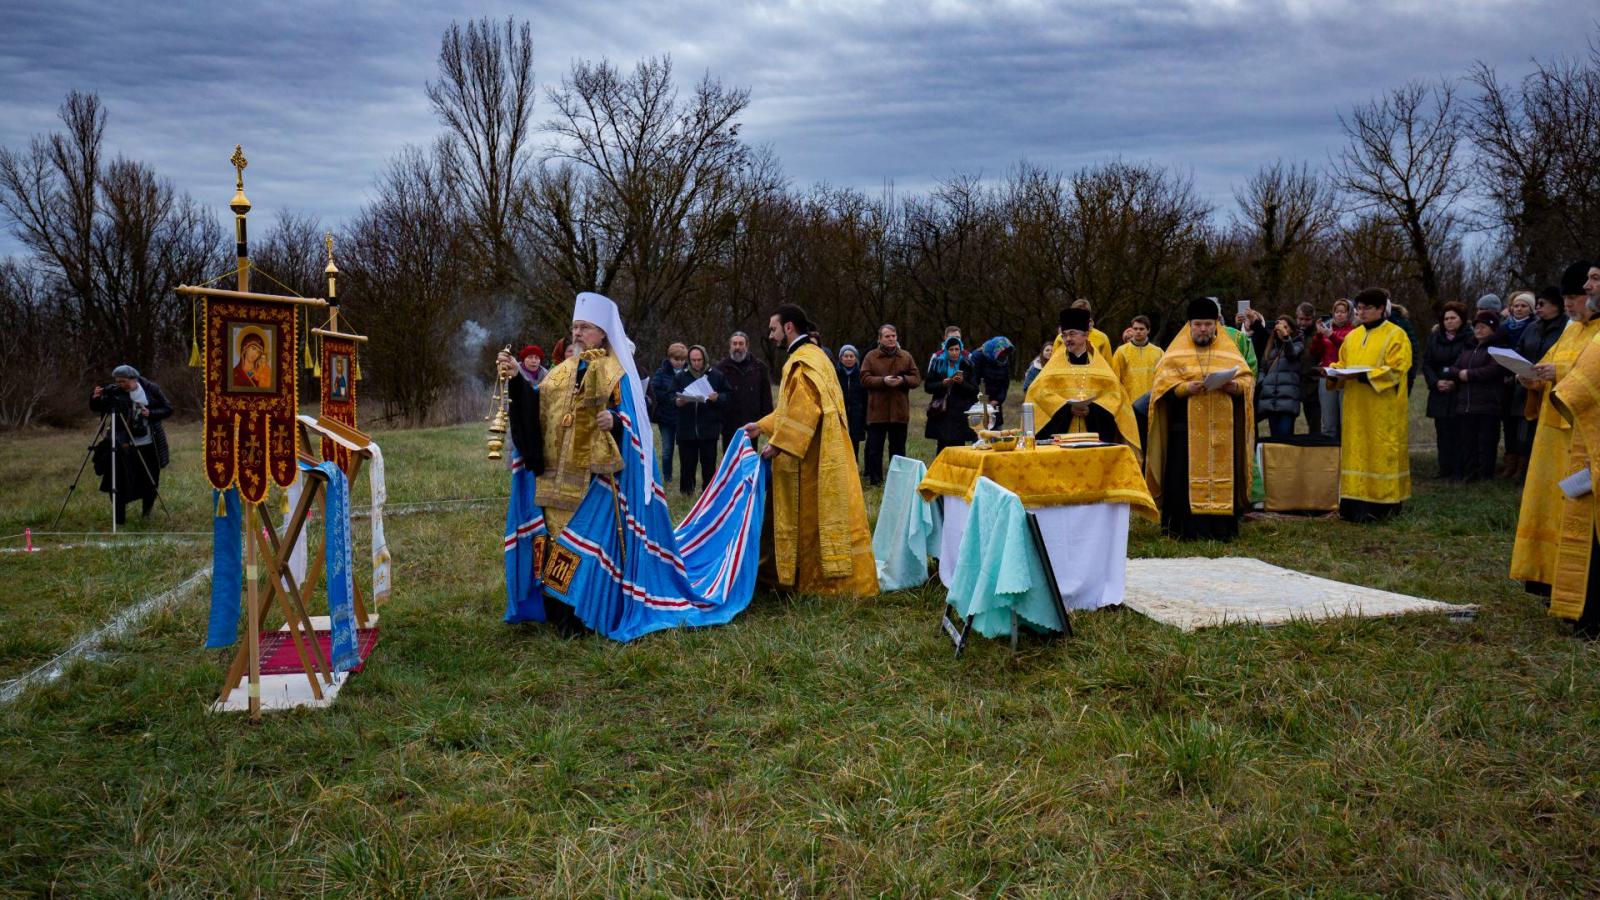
{"points": [[992, 363], [954, 386], [855, 394]]}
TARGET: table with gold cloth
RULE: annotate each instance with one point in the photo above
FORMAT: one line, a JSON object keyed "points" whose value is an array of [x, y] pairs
{"points": [[1081, 496]]}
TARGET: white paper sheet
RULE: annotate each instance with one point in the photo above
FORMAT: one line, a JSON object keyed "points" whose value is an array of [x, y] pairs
{"points": [[1216, 380], [1512, 360], [1577, 484], [1348, 370], [699, 390]]}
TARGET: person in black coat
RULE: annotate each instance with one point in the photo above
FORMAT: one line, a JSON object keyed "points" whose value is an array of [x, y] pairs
{"points": [[663, 412], [699, 421], [132, 465], [1438, 359], [1278, 397], [951, 379], [848, 368], [1480, 397]]}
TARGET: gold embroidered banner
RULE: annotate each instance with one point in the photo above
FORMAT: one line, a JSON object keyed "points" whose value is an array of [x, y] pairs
{"points": [[338, 392], [250, 404]]}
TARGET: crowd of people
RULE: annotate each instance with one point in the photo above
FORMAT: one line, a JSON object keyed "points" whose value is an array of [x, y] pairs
{"points": [[1194, 410]]}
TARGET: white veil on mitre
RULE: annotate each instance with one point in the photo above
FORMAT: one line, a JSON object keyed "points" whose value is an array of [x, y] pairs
{"points": [[600, 310]]}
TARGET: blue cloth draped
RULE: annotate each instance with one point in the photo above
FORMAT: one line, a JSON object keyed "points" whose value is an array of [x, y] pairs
{"points": [[227, 570], [524, 524], [336, 553], [642, 575]]}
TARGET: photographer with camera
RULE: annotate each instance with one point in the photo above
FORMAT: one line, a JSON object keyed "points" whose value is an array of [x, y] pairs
{"points": [[129, 459]]}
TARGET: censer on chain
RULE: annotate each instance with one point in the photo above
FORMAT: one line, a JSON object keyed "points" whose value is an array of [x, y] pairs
{"points": [[497, 417]]}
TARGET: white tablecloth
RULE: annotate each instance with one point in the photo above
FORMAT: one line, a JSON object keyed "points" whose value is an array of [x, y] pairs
{"points": [[1088, 547]]}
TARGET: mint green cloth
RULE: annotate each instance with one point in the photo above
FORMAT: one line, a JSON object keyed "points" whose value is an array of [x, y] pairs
{"points": [[998, 570], [908, 528]]}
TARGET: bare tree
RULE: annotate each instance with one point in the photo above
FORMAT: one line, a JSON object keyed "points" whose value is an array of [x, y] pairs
{"points": [[1285, 209], [116, 237], [647, 186], [26, 355], [1132, 231], [407, 256], [1402, 160], [1537, 162], [484, 96]]}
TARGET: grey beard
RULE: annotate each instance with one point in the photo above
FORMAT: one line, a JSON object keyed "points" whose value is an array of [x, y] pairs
{"points": [[1204, 341], [738, 355]]}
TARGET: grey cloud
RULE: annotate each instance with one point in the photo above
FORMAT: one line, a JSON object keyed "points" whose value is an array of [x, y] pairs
{"points": [[322, 95]]}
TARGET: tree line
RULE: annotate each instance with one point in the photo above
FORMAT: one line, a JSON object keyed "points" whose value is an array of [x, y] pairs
{"points": [[629, 182]]}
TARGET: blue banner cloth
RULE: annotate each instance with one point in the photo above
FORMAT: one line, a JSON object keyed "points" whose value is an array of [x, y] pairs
{"points": [[336, 553], [627, 572], [525, 529], [227, 569]]}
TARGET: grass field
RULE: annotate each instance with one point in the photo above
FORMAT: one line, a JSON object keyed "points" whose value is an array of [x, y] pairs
{"points": [[813, 747]]}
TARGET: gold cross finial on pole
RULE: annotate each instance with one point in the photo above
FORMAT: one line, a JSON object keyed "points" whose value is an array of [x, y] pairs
{"points": [[328, 240], [240, 204], [239, 163]]}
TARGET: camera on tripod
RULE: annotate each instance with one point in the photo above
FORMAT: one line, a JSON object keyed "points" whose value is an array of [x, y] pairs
{"points": [[122, 405]]}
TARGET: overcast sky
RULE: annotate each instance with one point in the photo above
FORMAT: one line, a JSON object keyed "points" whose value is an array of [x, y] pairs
{"points": [[322, 95]]}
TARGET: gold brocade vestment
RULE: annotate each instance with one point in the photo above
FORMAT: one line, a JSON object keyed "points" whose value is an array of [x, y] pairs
{"points": [[575, 449], [1061, 382], [1533, 557], [816, 539], [1220, 432], [1577, 398], [1136, 368]]}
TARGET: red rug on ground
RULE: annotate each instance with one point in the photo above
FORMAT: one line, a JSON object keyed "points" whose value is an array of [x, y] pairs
{"points": [[278, 656]]}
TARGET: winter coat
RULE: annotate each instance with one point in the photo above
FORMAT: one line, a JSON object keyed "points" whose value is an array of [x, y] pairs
{"points": [[699, 421], [855, 400], [885, 403], [951, 426], [749, 386], [663, 385], [1484, 391], [1325, 347], [160, 409], [992, 362], [1438, 357], [1034, 368], [1279, 390]]}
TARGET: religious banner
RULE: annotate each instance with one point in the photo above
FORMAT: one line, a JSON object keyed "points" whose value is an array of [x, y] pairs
{"points": [[250, 404], [338, 390]]}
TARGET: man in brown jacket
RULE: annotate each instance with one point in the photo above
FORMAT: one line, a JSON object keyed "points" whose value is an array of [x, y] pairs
{"points": [[889, 374]]}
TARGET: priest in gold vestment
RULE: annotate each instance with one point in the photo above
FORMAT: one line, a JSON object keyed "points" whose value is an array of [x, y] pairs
{"points": [[1374, 452], [1077, 391], [1197, 459], [815, 539], [1575, 594], [1533, 556]]}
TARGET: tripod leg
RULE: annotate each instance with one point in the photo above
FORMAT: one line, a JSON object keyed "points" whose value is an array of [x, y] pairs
{"points": [[145, 465], [81, 466]]}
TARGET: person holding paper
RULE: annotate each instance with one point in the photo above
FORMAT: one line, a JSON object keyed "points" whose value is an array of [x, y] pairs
{"points": [[1480, 398], [1533, 556], [702, 394], [1078, 391], [1575, 593], [1197, 462], [1374, 459]]}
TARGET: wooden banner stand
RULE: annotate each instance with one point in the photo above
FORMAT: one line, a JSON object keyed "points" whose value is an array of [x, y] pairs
{"points": [[317, 427]]}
